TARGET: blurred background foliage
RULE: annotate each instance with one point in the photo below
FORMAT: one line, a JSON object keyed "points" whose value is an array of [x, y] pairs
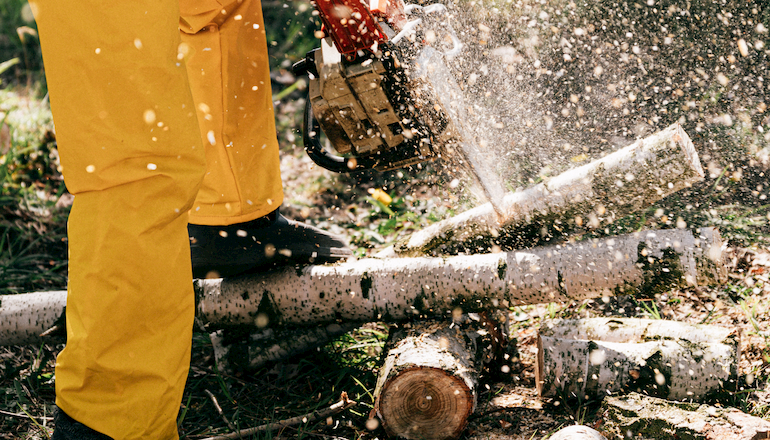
{"points": [[289, 26], [18, 40]]}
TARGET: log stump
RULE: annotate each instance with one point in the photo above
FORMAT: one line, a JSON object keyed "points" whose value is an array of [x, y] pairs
{"points": [[427, 385]]}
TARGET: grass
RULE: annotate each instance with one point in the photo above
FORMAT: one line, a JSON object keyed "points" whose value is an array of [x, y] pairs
{"points": [[32, 226], [286, 390], [18, 40]]}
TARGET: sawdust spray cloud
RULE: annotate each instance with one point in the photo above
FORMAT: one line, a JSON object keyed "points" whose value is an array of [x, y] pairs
{"points": [[554, 84]]}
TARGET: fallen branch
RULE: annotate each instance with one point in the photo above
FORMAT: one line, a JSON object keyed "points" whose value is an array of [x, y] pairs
{"points": [[259, 347], [24, 416], [24, 317], [312, 417], [593, 195], [219, 409], [397, 289]]}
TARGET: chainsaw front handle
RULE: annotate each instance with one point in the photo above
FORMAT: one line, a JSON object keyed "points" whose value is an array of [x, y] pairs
{"points": [[316, 151]]}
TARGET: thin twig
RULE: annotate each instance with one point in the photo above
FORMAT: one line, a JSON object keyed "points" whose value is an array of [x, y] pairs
{"points": [[23, 416], [219, 410], [314, 416]]}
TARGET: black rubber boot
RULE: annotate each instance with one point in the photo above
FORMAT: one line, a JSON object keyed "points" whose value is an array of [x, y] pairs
{"points": [[67, 428], [269, 241]]}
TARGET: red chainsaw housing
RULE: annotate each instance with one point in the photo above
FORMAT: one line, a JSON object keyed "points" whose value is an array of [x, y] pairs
{"points": [[353, 26]]}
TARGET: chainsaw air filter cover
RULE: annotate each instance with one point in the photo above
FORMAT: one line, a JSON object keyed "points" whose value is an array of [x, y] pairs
{"points": [[369, 109]]}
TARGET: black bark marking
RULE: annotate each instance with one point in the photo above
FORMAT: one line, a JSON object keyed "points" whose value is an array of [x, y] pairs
{"points": [[659, 274], [366, 285], [502, 268], [268, 308], [647, 382], [561, 287]]}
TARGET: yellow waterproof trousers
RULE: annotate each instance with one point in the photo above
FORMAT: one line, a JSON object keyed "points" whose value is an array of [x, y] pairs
{"points": [[154, 129]]}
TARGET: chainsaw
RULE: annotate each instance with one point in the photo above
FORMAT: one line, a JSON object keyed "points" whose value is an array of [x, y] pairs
{"points": [[379, 87]]}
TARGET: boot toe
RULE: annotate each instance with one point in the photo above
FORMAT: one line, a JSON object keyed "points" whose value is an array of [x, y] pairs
{"points": [[223, 251]]}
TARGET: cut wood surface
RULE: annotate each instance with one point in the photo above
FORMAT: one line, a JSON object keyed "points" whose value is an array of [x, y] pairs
{"points": [[577, 432], [592, 358], [592, 195], [397, 289], [659, 419], [426, 388]]}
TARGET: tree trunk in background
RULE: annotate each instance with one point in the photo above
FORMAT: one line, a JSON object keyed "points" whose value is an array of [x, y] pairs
{"points": [[398, 289], [592, 195], [593, 358], [426, 387]]}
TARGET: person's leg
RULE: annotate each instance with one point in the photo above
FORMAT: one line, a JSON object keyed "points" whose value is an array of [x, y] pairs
{"points": [[132, 156], [234, 224], [230, 79]]}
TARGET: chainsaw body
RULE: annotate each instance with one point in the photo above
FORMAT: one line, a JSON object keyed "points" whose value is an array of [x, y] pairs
{"points": [[368, 88]]}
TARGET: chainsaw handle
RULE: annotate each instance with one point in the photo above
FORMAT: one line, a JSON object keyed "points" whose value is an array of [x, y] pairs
{"points": [[319, 155], [313, 147]]}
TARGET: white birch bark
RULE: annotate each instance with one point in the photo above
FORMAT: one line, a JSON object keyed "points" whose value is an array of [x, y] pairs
{"points": [[593, 195], [592, 358], [392, 290], [23, 317], [395, 289], [426, 387], [577, 432], [652, 418]]}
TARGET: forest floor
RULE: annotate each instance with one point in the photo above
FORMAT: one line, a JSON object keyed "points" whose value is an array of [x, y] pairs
{"points": [[508, 406]]}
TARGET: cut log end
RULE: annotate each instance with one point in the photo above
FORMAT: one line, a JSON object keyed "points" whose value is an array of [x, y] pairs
{"points": [[425, 403], [577, 432], [680, 137]]}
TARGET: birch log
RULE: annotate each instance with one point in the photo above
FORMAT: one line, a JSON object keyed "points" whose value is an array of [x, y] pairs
{"points": [[593, 195], [591, 358], [652, 418], [396, 289], [577, 432], [426, 387], [23, 317]]}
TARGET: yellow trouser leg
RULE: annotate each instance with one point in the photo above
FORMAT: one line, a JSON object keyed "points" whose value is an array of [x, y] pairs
{"points": [[132, 155], [230, 81]]}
